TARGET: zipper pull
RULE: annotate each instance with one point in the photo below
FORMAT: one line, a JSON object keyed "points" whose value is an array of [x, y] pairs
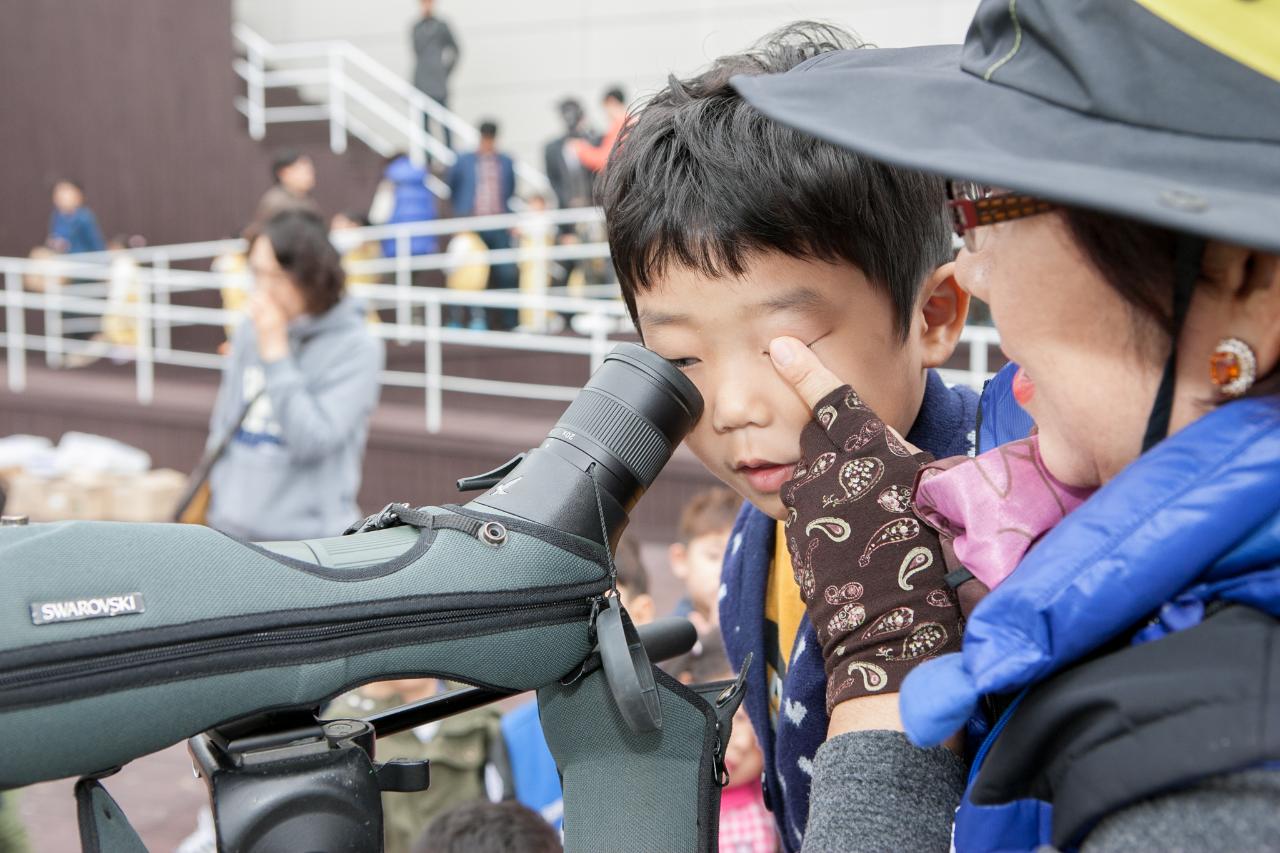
{"points": [[719, 771]]}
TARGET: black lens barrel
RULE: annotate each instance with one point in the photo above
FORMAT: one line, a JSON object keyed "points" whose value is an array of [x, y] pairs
{"points": [[637, 407]]}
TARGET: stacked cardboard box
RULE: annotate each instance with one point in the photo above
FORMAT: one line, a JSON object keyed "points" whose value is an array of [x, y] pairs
{"points": [[150, 496]]}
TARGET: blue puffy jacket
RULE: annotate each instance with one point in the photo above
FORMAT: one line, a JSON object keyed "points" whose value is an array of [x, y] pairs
{"points": [[413, 203], [1196, 519]]}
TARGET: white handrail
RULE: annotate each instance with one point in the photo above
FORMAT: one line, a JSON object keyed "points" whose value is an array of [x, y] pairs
{"points": [[153, 314], [373, 233], [332, 62]]}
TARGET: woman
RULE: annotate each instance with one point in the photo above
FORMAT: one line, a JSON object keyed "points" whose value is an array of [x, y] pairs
{"points": [[1131, 262], [298, 389]]}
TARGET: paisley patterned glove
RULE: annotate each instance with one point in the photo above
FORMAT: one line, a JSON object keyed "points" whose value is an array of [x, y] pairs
{"points": [[871, 574]]}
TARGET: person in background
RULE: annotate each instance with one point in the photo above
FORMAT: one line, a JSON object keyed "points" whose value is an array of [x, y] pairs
{"points": [[411, 202], [481, 827], [437, 54], [633, 581], [466, 751], [533, 769], [233, 266], [293, 178], [307, 368], [573, 185], [696, 557], [119, 325], [481, 184], [594, 157], [570, 180], [352, 247], [72, 226], [536, 234]]}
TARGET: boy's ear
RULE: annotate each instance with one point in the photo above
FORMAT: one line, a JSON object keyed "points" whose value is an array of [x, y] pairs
{"points": [[678, 555], [944, 307]]}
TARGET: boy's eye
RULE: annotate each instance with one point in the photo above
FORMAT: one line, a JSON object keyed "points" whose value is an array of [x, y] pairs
{"points": [[682, 363]]}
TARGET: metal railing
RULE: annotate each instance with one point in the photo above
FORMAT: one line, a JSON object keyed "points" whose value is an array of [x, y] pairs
{"points": [[81, 292], [357, 96]]}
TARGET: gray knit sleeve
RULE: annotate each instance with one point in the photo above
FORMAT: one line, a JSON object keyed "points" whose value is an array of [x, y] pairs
{"points": [[873, 791], [1236, 811]]}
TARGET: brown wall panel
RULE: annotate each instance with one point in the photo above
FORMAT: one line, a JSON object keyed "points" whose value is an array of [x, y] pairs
{"points": [[135, 99]]}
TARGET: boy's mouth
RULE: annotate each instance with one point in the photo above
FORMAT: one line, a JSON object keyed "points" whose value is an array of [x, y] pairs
{"points": [[765, 476]]}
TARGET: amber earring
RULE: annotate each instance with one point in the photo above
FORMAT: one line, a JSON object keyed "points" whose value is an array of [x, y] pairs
{"points": [[1233, 367]]}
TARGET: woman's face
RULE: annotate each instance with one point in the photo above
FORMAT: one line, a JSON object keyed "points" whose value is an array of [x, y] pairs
{"points": [[1091, 365], [273, 281]]}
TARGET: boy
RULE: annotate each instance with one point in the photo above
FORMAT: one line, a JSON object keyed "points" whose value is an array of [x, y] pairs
{"points": [[729, 231]]}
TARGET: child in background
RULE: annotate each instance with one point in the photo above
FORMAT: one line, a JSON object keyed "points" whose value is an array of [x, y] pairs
{"points": [[72, 225], [233, 266], [119, 324], [535, 232], [353, 248], [412, 201], [705, 524], [633, 581]]}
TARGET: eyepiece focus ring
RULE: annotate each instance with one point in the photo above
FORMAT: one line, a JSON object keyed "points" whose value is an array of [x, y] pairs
{"points": [[636, 443]]}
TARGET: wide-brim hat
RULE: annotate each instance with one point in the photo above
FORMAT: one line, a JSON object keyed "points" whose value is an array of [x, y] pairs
{"points": [[1165, 111]]}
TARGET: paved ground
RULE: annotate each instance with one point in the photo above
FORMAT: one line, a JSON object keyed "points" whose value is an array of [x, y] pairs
{"points": [[159, 793]]}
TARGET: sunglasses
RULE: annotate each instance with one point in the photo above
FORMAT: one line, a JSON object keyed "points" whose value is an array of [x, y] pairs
{"points": [[974, 205]]}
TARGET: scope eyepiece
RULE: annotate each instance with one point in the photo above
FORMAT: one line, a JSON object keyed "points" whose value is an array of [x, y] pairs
{"points": [[631, 414]]}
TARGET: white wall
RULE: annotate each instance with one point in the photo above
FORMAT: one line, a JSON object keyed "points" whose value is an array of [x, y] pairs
{"points": [[519, 57]]}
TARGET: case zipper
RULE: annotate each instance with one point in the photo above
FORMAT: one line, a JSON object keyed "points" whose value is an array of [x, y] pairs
{"points": [[44, 673]]}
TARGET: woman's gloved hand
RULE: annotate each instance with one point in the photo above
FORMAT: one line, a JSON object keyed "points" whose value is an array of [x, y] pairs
{"points": [[871, 574]]}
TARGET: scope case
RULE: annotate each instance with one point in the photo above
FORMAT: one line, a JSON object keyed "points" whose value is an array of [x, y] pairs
{"points": [[117, 640]]}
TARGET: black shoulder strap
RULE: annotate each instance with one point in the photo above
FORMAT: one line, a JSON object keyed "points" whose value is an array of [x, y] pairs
{"points": [[1144, 719], [210, 458]]}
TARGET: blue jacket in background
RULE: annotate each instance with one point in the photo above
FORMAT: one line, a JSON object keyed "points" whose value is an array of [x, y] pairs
{"points": [[533, 769], [946, 426], [1195, 519], [464, 176], [79, 229], [413, 203]]}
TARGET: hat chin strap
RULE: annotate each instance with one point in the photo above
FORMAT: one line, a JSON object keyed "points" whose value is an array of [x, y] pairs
{"points": [[1188, 256]]}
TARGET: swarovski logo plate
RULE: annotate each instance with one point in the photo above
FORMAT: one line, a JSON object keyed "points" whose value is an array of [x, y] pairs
{"points": [[49, 612]]}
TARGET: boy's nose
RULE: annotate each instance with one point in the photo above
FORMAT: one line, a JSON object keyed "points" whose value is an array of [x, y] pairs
{"points": [[740, 399]]}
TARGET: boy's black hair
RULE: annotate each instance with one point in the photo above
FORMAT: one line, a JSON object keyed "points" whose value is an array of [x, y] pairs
{"points": [[488, 129], [65, 180], [702, 180], [283, 159], [615, 93]]}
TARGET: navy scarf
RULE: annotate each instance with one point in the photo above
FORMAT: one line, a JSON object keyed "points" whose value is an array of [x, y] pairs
{"points": [[944, 427]]}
